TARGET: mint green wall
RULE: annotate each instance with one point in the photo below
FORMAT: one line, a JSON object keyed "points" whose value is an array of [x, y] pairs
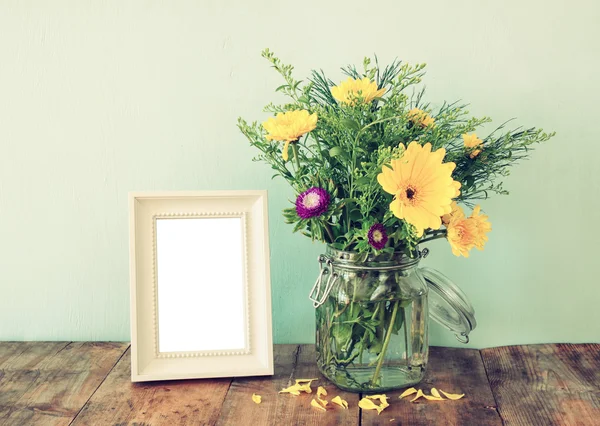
{"points": [[101, 98]]}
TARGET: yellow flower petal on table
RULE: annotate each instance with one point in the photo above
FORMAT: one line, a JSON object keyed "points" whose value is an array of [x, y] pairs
{"points": [[302, 385], [452, 396], [419, 395], [435, 393], [433, 398], [351, 90], [408, 392], [321, 391], [422, 186], [289, 126], [382, 398], [339, 401], [256, 398], [294, 390], [368, 404], [315, 404]]}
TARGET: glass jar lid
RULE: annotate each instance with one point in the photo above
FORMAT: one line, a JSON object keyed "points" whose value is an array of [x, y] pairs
{"points": [[448, 305]]}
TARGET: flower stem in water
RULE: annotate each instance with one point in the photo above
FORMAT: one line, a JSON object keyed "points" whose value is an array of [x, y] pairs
{"points": [[386, 342]]}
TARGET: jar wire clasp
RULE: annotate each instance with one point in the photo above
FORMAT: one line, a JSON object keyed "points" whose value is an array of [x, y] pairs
{"points": [[315, 293]]}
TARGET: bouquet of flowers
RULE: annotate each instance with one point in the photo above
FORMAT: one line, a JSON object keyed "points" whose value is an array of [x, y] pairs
{"points": [[376, 168], [378, 171]]}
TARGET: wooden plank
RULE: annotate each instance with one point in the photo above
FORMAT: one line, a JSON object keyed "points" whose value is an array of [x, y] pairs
{"points": [[27, 355], [546, 384], [453, 370], [48, 383], [20, 365], [118, 401], [291, 362]]}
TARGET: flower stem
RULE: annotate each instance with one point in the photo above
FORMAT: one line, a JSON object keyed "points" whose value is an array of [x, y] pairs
{"points": [[296, 156], [386, 342], [435, 237], [328, 230]]}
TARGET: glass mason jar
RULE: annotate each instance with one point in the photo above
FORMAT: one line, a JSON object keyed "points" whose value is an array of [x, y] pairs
{"points": [[373, 318]]}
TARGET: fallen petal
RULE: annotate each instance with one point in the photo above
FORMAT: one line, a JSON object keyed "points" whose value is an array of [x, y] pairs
{"points": [[305, 387], [317, 405], [321, 391], [339, 401], [256, 398], [294, 389], [452, 396], [368, 404], [381, 397], [408, 392], [435, 393], [419, 395], [433, 398]]}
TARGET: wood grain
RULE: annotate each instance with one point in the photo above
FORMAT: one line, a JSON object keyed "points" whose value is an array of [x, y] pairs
{"points": [[61, 383], [118, 401], [546, 384], [48, 383], [453, 370], [291, 362]]}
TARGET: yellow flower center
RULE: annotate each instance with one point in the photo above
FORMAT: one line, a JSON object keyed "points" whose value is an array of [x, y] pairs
{"points": [[377, 236], [311, 200]]}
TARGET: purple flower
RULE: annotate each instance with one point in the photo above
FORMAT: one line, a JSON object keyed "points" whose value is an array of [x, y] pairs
{"points": [[377, 236], [312, 203]]}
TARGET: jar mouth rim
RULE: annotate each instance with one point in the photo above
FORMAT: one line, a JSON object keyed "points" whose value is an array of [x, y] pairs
{"points": [[353, 257]]}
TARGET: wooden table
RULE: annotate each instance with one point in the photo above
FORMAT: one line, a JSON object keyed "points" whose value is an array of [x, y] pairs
{"points": [[88, 383]]}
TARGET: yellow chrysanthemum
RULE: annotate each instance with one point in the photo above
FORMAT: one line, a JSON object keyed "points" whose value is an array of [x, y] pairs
{"points": [[421, 118], [422, 186], [456, 213], [473, 144], [461, 236], [483, 227], [289, 126], [350, 90], [466, 233]]}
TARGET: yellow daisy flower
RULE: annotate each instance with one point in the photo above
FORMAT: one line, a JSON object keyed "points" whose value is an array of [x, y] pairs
{"points": [[483, 227], [350, 90], [421, 118], [422, 186], [472, 144], [461, 236], [289, 126], [456, 213]]}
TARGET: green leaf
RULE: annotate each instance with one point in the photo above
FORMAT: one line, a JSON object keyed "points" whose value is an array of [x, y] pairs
{"points": [[335, 151], [351, 124], [341, 333], [356, 215], [365, 180]]}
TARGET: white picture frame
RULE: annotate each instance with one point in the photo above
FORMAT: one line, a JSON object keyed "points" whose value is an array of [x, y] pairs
{"points": [[256, 356]]}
